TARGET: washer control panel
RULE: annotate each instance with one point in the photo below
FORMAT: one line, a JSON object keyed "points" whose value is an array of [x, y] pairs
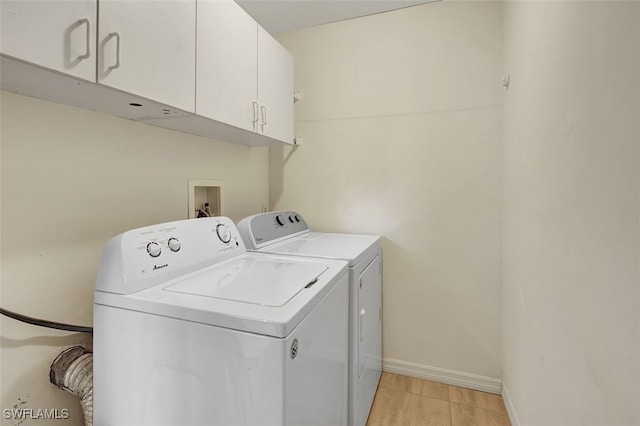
{"points": [[155, 253], [265, 228]]}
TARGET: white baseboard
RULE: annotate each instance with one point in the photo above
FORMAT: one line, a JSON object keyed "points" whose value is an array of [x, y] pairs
{"points": [[508, 403], [442, 375]]}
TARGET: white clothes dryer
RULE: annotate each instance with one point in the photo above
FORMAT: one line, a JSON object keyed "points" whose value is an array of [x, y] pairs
{"points": [[190, 329], [287, 233]]}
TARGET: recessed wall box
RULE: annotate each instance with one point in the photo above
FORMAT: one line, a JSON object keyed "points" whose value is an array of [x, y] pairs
{"points": [[203, 192]]}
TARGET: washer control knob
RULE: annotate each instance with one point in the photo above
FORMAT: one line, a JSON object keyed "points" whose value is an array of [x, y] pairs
{"points": [[297, 218], [280, 220], [174, 244], [223, 233], [154, 249], [291, 219]]}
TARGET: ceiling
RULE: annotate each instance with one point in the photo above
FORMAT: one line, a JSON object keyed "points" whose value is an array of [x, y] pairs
{"points": [[285, 15]]}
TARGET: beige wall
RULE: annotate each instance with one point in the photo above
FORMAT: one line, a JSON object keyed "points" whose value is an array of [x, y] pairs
{"points": [[401, 127], [571, 197], [71, 179]]}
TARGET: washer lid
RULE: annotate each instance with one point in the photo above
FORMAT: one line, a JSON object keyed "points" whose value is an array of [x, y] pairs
{"points": [[207, 295], [266, 282]]}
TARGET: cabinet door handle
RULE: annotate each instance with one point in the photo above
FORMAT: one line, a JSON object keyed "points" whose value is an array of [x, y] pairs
{"points": [[106, 40], [69, 61], [264, 116], [87, 52], [255, 115], [362, 318]]}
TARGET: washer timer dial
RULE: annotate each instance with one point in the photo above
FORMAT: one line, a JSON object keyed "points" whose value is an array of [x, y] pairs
{"points": [[154, 249], [223, 233]]}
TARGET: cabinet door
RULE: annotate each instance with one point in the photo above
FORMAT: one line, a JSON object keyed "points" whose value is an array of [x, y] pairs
{"points": [[226, 76], [54, 34], [275, 88], [147, 48]]}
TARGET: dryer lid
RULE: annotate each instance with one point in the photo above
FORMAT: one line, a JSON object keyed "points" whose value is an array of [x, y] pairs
{"points": [[265, 282], [350, 247]]}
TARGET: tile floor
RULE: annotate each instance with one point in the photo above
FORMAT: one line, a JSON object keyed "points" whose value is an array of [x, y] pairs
{"points": [[407, 401]]}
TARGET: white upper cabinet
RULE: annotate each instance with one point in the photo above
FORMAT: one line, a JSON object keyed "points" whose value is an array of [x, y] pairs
{"points": [[244, 76], [148, 48], [275, 88], [138, 60], [59, 35], [226, 69]]}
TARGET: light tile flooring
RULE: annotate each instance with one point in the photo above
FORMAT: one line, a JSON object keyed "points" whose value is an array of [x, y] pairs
{"points": [[407, 401]]}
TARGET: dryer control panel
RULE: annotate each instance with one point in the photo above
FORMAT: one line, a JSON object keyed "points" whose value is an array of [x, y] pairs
{"points": [[267, 228], [144, 257]]}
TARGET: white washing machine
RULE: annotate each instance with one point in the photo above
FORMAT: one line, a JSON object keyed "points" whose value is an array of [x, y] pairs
{"points": [[286, 232], [191, 329]]}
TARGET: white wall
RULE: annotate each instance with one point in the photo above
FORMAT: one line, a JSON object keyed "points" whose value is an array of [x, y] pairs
{"points": [[571, 212], [401, 126], [71, 179]]}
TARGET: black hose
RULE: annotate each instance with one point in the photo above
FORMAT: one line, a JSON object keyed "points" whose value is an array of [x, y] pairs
{"points": [[45, 323]]}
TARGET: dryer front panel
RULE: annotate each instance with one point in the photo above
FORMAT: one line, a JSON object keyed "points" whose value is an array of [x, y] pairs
{"points": [[369, 340]]}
